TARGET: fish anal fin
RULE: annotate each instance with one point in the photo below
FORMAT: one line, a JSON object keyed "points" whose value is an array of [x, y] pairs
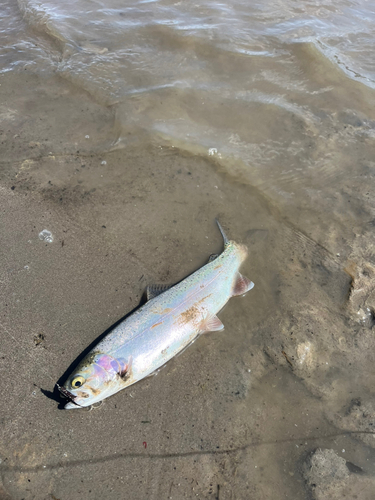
{"points": [[212, 324], [242, 285], [153, 291]]}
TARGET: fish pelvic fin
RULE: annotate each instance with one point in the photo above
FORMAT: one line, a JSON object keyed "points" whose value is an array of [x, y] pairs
{"points": [[226, 241], [242, 285]]}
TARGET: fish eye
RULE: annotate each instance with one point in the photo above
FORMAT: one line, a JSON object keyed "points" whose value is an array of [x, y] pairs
{"points": [[77, 382]]}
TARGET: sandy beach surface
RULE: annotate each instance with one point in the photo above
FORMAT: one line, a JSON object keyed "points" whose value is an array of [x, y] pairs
{"points": [[278, 405]]}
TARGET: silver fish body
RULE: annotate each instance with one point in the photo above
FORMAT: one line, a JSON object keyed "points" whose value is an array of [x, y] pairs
{"points": [[159, 330]]}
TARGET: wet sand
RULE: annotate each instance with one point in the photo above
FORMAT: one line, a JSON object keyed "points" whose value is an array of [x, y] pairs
{"points": [[241, 412]]}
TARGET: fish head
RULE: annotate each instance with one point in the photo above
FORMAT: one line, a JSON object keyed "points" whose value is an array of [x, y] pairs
{"points": [[98, 376]]}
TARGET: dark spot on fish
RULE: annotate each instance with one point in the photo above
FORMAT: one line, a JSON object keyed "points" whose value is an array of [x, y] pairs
{"points": [[83, 395], [217, 267], [193, 312], [94, 391], [189, 315], [157, 324], [88, 360]]}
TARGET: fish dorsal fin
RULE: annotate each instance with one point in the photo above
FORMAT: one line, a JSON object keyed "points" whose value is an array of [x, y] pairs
{"points": [[212, 325], [242, 285], [213, 257], [153, 291], [226, 241]]}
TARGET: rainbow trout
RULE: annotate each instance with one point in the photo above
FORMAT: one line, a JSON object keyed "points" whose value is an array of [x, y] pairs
{"points": [[171, 319]]}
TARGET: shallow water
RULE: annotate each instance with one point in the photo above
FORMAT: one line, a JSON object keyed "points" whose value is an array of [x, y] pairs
{"points": [[125, 130]]}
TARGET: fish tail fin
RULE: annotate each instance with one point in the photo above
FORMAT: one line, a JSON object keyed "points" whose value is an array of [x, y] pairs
{"points": [[226, 241]]}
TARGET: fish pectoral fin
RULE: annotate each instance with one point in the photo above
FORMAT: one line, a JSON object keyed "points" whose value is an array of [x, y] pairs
{"points": [[212, 325], [153, 291], [242, 285], [123, 367], [213, 257]]}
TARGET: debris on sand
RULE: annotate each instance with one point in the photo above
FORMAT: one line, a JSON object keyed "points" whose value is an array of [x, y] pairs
{"points": [[329, 476]]}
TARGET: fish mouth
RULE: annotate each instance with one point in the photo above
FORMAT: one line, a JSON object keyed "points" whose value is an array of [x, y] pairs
{"points": [[67, 395]]}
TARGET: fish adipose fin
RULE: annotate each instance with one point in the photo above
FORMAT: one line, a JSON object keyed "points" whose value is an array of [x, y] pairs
{"points": [[242, 285], [153, 291], [212, 325], [213, 257]]}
